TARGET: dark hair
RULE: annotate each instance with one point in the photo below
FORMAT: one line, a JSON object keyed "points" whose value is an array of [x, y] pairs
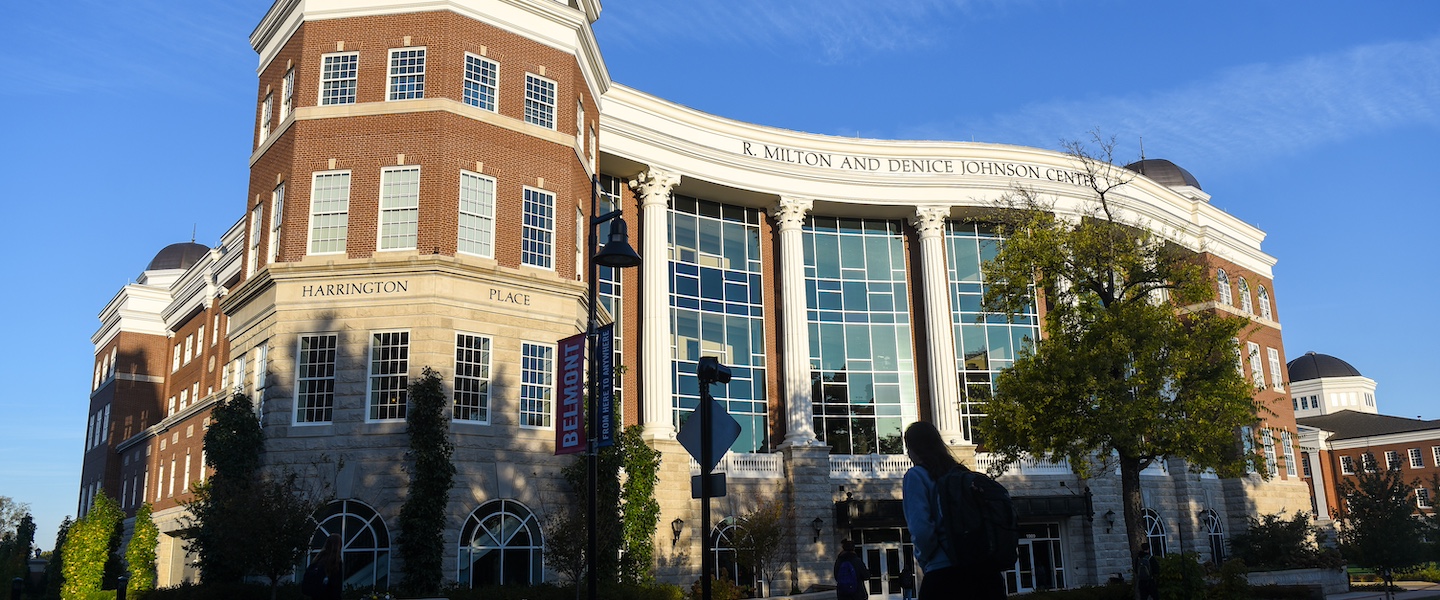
{"points": [[330, 554], [928, 450], [848, 545]]}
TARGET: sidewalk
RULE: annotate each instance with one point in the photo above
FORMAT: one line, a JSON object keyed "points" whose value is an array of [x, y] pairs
{"points": [[1413, 591]]}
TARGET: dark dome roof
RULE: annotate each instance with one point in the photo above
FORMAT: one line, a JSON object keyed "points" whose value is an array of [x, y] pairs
{"points": [[1164, 172], [178, 256], [1316, 366]]}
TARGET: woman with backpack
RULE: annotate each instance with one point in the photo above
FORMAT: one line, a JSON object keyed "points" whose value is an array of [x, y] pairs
{"points": [[324, 579], [943, 577]]}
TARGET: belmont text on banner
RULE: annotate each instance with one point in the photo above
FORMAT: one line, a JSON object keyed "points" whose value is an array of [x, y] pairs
{"points": [[570, 401]]}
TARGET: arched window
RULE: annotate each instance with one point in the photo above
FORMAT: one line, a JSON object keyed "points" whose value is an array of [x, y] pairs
{"points": [[724, 544], [1264, 298], [364, 538], [1215, 530], [1245, 297], [501, 544], [1154, 532], [1222, 281]]}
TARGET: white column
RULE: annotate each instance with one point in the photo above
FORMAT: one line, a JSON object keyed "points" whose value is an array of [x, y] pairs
{"points": [[790, 214], [939, 330], [656, 395]]}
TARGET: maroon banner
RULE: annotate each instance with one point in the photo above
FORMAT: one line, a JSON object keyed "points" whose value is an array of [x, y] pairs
{"points": [[570, 395]]}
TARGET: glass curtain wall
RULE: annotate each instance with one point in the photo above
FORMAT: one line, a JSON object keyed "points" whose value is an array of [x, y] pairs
{"points": [[717, 309], [861, 365], [986, 343]]}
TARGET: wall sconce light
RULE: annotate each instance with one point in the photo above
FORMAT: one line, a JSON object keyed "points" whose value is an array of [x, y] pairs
{"points": [[818, 524], [676, 527], [1109, 520]]}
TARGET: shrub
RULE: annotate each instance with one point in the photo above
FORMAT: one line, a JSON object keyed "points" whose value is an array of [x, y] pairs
{"points": [[1422, 572], [1233, 585], [1273, 542], [1182, 577]]}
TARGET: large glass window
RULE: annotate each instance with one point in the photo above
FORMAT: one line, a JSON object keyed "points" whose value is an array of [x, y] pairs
{"points": [[1416, 460], [862, 370], [329, 212], [1264, 298], [1271, 463], [986, 343], [1288, 447], [717, 309], [252, 258], [477, 214], [1347, 465], [725, 552], [338, 77], [539, 101], [407, 74], [472, 378], [1154, 532], [537, 384], [389, 374], [315, 379], [1215, 532], [537, 234], [364, 538], [1244, 288], [277, 210], [1257, 369], [1222, 283], [399, 208], [501, 544], [287, 93], [482, 75]]}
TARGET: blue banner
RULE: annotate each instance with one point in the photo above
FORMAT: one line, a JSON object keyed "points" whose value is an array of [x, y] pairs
{"points": [[605, 404]]}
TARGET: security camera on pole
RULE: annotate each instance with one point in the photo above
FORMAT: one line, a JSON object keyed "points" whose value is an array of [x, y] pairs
{"points": [[707, 436]]}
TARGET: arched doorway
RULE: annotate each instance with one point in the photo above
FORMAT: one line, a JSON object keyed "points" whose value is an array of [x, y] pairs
{"points": [[501, 544]]}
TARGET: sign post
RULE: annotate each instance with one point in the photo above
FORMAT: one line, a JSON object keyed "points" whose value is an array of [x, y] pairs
{"points": [[707, 436]]}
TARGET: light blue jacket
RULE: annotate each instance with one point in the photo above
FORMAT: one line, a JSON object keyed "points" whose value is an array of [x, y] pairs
{"points": [[920, 517]]}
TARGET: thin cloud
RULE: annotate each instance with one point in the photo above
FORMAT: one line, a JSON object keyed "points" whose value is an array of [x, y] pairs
{"points": [[1245, 114]]}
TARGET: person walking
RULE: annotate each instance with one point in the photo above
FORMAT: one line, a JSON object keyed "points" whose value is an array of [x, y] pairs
{"points": [[943, 577], [1147, 571], [851, 576], [330, 572]]}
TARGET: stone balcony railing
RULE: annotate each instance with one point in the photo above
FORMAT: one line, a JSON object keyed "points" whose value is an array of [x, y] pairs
{"points": [[864, 466]]}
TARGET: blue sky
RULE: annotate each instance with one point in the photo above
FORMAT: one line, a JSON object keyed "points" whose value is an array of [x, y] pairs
{"points": [[130, 123]]}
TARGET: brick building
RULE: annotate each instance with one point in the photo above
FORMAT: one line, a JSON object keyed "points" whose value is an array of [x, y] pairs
{"points": [[420, 184]]}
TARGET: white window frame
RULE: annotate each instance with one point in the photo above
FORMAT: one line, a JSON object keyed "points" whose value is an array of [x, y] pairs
{"points": [[1257, 370], [1239, 358], [306, 401], [215, 331], [477, 97], [1417, 460], [540, 95], [266, 112], [345, 94], [189, 349], [252, 257], [315, 215], [1367, 461], [1422, 498], [1222, 282], [399, 209], [543, 236], [1276, 381], [1392, 461], [1347, 465], [580, 124], [482, 199], [277, 212], [175, 361], [541, 417], [1265, 310], [287, 93], [1272, 463], [472, 366], [1245, 304], [405, 81], [372, 408], [1288, 447], [1435, 450]]}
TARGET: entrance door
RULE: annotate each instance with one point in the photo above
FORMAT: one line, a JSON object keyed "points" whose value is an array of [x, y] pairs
{"points": [[885, 562], [1040, 565]]}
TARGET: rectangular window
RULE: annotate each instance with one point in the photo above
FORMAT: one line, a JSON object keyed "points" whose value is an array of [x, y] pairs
{"points": [[472, 378], [184, 399], [329, 212], [200, 341], [1247, 445], [215, 331], [482, 75], [537, 374], [1289, 450], [399, 208], [170, 410], [537, 236], [337, 78], [315, 379], [185, 483], [1347, 465], [1367, 460], [1257, 371], [477, 214], [1422, 497], [389, 374], [262, 353], [265, 108], [277, 209], [189, 349], [407, 74], [160, 483], [1392, 460], [1274, 357], [1305, 463], [1271, 464], [252, 259], [1239, 359], [580, 125], [539, 101], [175, 360], [1435, 450], [287, 93]]}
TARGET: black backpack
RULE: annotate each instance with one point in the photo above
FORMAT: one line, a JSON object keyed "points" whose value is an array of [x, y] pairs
{"points": [[847, 579], [313, 583], [978, 523]]}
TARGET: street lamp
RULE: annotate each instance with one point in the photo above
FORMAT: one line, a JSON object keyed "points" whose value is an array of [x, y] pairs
{"points": [[618, 254]]}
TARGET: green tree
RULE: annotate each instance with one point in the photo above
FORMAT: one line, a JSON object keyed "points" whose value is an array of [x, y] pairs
{"points": [[1272, 542], [1378, 527], [565, 540], [15, 545], [627, 526], [90, 549], [432, 473], [140, 553], [55, 570], [762, 545], [1131, 365], [640, 511], [1432, 520]]}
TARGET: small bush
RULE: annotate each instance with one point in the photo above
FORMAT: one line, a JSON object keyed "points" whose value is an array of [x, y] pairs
{"points": [[720, 589], [1233, 584], [1425, 572], [1182, 577], [229, 591]]}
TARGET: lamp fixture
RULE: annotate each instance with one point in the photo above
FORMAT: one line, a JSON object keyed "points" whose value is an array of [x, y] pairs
{"points": [[617, 252], [818, 524], [676, 527], [1109, 520]]}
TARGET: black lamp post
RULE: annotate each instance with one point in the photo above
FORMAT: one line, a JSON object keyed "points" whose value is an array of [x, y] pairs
{"points": [[618, 254]]}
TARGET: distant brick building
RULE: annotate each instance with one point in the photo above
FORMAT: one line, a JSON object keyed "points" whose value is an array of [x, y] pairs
{"points": [[419, 191]]}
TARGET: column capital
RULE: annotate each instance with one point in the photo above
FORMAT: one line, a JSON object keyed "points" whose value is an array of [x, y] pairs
{"points": [[654, 186], [790, 212], [930, 220]]}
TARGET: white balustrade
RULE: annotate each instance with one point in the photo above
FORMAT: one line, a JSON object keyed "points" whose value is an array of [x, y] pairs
{"points": [[739, 465]]}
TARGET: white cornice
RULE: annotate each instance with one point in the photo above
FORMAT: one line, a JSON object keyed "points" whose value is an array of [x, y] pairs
{"points": [[1424, 436], [646, 130]]}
